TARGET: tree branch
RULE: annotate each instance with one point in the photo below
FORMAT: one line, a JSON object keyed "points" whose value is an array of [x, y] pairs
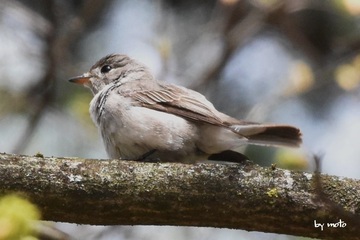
{"points": [[242, 196]]}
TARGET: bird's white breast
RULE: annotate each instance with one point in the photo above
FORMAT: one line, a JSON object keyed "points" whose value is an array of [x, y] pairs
{"points": [[130, 131]]}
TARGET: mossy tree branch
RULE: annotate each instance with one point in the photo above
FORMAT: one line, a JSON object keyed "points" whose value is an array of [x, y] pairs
{"points": [[242, 196]]}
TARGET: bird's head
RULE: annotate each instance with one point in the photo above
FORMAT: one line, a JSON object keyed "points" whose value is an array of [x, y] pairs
{"points": [[110, 69]]}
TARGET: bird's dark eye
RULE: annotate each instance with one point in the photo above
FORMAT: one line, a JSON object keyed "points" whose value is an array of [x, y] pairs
{"points": [[105, 69]]}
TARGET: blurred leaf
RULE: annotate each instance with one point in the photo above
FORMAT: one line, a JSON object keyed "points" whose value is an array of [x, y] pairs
{"points": [[79, 105], [301, 78], [347, 76], [291, 159], [17, 217], [164, 47], [352, 6], [11, 102]]}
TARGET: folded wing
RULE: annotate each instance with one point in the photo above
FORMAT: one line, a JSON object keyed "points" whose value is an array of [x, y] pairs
{"points": [[195, 107]]}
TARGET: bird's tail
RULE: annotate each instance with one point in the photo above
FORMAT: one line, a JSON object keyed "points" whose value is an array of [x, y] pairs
{"points": [[269, 134]]}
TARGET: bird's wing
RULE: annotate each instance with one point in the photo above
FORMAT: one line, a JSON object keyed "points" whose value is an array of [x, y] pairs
{"points": [[195, 107], [179, 101]]}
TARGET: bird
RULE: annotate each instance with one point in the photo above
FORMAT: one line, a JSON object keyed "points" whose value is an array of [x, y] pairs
{"points": [[145, 119]]}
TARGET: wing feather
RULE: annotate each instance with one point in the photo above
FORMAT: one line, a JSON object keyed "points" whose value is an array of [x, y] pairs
{"points": [[195, 107], [179, 101]]}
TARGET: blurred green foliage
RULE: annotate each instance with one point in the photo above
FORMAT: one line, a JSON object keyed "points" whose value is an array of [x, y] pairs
{"points": [[17, 217]]}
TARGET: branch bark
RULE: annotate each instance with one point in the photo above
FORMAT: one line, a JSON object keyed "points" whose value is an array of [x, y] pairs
{"points": [[242, 196]]}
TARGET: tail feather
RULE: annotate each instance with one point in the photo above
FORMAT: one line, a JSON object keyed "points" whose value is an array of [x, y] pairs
{"points": [[269, 134]]}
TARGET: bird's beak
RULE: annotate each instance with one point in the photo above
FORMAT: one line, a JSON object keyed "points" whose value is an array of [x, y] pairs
{"points": [[80, 79]]}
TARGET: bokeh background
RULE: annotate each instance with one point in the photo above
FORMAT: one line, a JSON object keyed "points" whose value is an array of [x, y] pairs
{"points": [[293, 61]]}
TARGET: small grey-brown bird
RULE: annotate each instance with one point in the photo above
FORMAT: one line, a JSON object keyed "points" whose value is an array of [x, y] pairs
{"points": [[141, 118]]}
